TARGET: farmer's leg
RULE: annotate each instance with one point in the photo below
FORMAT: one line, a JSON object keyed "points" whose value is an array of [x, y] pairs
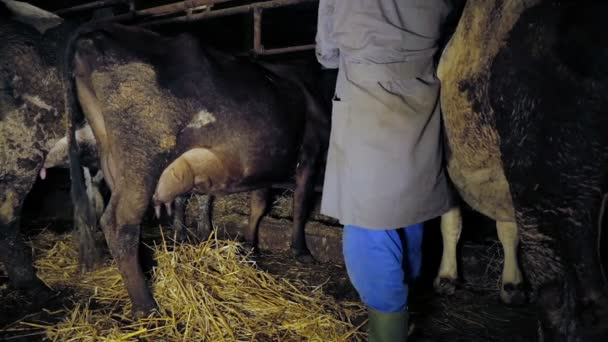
{"points": [[375, 261]]}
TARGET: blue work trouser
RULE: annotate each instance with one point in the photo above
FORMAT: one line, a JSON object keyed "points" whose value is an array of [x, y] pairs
{"points": [[381, 264]]}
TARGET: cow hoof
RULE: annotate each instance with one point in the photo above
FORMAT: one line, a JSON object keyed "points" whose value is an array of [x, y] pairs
{"points": [[144, 311], [251, 248], [45, 297], [513, 294], [38, 291], [201, 235], [181, 235], [182, 238], [303, 256], [87, 265], [445, 286], [306, 259], [90, 256]]}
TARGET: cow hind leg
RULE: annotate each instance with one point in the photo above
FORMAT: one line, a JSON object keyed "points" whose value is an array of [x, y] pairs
{"points": [[451, 227], [121, 227], [180, 230], [512, 291], [301, 210], [259, 205], [17, 259], [204, 222], [14, 254]]}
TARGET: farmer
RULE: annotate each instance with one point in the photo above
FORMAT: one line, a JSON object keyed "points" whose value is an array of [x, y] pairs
{"points": [[384, 175]]}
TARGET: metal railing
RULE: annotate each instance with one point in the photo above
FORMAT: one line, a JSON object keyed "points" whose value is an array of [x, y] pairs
{"points": [[196, 10]]}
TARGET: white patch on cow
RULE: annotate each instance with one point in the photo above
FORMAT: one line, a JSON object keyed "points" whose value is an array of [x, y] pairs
{"points": [[32, 15], [58, 154], [37, 101], [85, 135], [201, 119]]}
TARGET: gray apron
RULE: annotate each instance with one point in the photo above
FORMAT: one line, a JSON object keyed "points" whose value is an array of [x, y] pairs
{"points": [[385, 164]]}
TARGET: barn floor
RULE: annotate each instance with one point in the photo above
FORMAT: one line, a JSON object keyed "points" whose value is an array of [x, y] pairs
{"points": [[472, 314]]}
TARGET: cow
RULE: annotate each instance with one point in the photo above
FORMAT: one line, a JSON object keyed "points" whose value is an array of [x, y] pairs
{"points": [[525, 112], [32, 120], [170, 116]]}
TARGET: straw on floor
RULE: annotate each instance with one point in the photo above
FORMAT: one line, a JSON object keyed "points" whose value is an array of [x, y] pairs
{"points": [[206, 292]]}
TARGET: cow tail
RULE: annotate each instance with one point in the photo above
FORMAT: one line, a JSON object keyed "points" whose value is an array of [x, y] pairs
{"points": [[84, 216]]}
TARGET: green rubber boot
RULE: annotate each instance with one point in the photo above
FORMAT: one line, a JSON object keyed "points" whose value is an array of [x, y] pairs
{"points": [[387, 327]]}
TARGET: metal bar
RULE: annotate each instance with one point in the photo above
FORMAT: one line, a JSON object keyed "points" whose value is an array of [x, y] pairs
{"points": [[176, 7], [89, 6], [225, 12], [257, 30], [163, 10], [286, 49]]}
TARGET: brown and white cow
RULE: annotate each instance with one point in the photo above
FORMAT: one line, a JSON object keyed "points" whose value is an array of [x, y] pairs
{"points": [[171, 116], [524, 86]]}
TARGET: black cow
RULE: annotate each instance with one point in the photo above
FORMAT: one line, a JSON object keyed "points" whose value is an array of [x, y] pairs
{"points": [[524, 96]]}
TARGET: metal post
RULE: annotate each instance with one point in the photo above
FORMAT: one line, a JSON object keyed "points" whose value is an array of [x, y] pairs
{"points": [[176, 8], [257, 31], [287, 49]]}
